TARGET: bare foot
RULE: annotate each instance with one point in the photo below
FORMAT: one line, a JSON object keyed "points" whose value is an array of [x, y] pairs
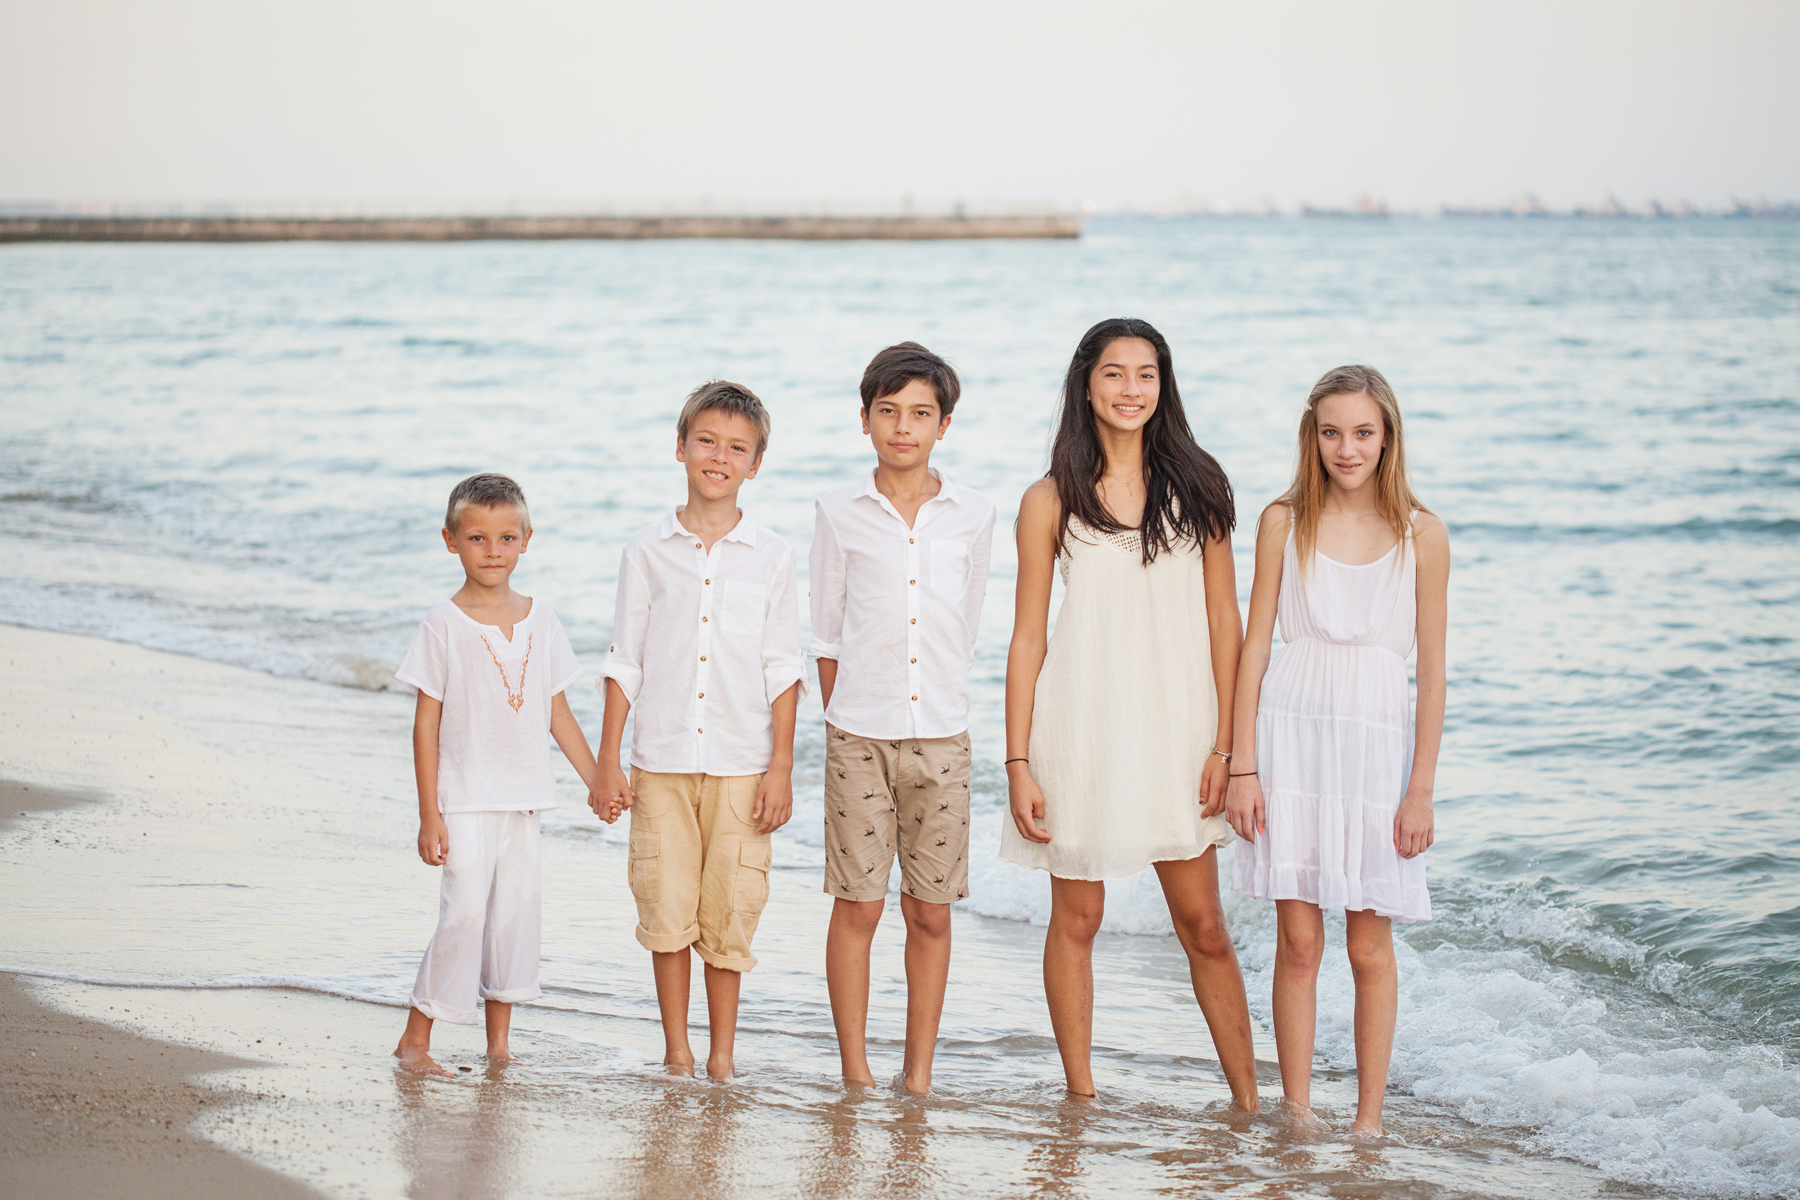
{"points": [[1369, 1131], [679, 1064], [418, 1061], [719, 1069], [1083, 1098], [858, 1086], [1302, 1118], [502, 1058]]}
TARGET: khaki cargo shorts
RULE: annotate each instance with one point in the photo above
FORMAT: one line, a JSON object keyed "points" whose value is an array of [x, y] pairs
{"points": [[699, 869], [908, 797]]}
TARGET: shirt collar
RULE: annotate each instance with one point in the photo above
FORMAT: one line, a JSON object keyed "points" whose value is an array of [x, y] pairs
{"points": [[744, 531], [946, 489]]}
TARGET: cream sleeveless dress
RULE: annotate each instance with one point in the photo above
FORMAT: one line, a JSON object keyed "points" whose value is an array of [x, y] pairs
{"points": [[1334, 740], [1124, 714]]}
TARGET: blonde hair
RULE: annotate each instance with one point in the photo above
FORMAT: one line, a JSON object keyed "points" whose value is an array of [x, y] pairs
{"points": [[725, 397], [1394, 497]]}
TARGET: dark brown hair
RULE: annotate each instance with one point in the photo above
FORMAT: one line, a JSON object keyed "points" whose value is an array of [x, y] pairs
{"points": [[899, 365], [728, 397], [1187, 497]]}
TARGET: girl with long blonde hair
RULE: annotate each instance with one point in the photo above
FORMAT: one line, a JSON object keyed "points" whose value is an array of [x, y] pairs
{"points": [[1331, 772]]}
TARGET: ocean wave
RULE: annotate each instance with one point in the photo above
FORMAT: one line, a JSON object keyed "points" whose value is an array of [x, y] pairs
{"points": [[367, 993], [1693, 529]]}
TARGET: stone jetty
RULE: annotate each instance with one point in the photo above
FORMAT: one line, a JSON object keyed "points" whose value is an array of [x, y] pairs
{"points": [[537, 228]]}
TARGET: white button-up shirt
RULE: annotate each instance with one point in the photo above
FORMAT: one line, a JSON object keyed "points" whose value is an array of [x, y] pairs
{"points": [[898, 607], [703, 643]]}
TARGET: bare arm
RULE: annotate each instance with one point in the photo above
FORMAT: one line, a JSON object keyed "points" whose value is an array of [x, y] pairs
{"points": [[613, 795], [827, 681], [1039, 513], [567, 732], [1245, 806], [775, 794], [1225, 629], [434, 837], [1413, 826]]}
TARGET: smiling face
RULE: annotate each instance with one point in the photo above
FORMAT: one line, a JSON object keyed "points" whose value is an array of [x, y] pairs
{"points": [[1125, 384], [489, 542], [719, 453], [1351, 436], [904, 425]]}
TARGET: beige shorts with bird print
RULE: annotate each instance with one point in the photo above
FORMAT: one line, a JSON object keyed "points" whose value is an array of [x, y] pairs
{"points": [[907, 796]]}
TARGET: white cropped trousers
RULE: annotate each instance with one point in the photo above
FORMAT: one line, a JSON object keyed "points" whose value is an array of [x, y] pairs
{"points": [[489, 914]]}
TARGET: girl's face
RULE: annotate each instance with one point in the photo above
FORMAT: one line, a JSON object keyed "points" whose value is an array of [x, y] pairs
{"points": [[1124, 385], [1351, 438]]}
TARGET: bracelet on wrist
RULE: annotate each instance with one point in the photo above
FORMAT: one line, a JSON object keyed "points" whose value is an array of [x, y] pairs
{"points": [[1224, 754], [1240, 774], [1009, 762]]}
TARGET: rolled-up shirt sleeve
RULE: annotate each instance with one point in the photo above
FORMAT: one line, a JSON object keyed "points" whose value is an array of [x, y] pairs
{"points": [[782, 663], [631, 628], [826, 566], [980, 555]]}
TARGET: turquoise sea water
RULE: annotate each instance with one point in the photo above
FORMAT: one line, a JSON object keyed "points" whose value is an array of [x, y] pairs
{"points": [[241, 453]]}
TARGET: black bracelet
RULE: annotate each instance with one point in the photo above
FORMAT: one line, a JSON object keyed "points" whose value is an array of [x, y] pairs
{"points": [[1009, 762], [1240, 774]]}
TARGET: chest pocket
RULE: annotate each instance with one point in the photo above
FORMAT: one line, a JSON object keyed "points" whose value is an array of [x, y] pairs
{"points": [[949, 567], [742, 606]]}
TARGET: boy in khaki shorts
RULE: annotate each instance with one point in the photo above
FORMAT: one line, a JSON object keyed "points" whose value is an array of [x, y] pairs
{"points": [[706, 646], [899, 568]]}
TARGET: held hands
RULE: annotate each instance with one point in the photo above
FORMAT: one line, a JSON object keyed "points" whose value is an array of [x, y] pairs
{"points": [[1214, 777], [1245, 809], [1413, 832], [611, 793], [774, 800], [434, 840], [1027, 802]]}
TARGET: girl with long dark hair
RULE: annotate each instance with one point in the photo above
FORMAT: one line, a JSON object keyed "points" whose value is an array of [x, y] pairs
{"points": [[1118, 729]]}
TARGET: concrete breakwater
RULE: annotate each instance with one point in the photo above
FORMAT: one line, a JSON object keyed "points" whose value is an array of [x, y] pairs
{"points": [[464, 229]]}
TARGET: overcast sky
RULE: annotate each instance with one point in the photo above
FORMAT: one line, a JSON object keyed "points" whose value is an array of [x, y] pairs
{"points": [[394, 100]]}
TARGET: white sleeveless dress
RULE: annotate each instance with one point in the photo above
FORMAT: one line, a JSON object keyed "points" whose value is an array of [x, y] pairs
{"points": [[1124, 714], [1334, 740]]}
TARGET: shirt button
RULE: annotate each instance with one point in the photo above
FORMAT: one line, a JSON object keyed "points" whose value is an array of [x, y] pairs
{"points": [[915, 620], [909, 541], [703, 695], [912, 660], [709, 583], [703, 620], [698, 546], [915, 697], [912, 581], [703, 658], [699, 731]]}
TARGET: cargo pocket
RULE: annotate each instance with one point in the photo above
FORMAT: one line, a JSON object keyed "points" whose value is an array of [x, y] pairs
{"points": [[752, 890], [646, 867]]}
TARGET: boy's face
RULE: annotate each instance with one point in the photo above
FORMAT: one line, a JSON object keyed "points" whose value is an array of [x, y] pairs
{"points": [[719, 453], [904, 426], [489, 542]]}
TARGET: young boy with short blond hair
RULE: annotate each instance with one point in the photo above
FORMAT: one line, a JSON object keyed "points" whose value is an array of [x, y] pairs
{"points": [[490, 667], [898, 571], [706, 650]]}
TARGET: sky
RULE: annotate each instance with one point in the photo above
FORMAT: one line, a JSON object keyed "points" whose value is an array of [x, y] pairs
{"points": [[576, 102]]}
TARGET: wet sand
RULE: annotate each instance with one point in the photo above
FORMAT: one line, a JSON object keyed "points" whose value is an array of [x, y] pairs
{"points": [[91, 1110]]}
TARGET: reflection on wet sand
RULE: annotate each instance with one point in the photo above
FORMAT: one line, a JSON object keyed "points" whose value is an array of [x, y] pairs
{"points": [[1055, 1166], [692, 1144], [460, 1141]]}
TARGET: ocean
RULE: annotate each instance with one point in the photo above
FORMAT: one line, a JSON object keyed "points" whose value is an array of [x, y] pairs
{"points": [[241, 454]]}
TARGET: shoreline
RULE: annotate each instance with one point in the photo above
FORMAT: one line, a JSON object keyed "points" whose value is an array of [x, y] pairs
{"points": [[89, 1110]]}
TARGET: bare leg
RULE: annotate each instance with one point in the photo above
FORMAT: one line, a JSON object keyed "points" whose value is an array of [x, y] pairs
{"points": [[1299, 944], [1370, 941], [847, 943], [499, 1029], [721, 1019], [927, 975], [674, 973], [414, 1050], [1076, 906], [1192, 890]]}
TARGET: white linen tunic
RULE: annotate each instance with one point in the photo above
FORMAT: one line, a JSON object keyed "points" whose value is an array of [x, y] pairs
{"points": [[704, 642], [1334, 740]]}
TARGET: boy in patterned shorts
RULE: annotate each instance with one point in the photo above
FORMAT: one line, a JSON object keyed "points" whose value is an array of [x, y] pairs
{"points": [[899, 568]]}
